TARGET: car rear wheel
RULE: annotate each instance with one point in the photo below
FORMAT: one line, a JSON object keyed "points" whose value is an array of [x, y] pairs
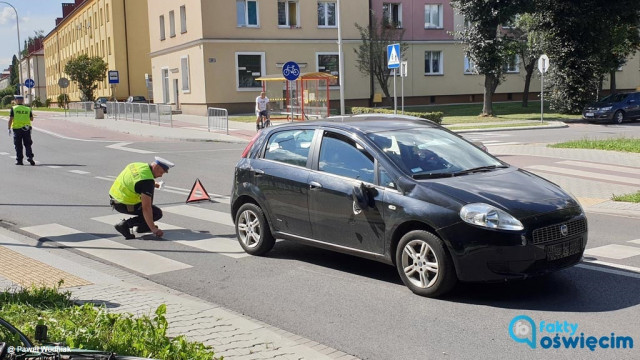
{"points": [[424, 265], [618, 117], [253, 230]]}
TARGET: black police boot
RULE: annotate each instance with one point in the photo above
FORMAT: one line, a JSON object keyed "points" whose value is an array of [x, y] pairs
{"points": [[123, 228], [141, 229], [19, 162], [30, 160]]}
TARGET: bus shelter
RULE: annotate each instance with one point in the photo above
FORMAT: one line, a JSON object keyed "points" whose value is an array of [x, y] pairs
{"points": [[305, 98]]}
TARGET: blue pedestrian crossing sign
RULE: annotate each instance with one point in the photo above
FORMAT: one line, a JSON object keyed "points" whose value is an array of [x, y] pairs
{"points": [[29, 83], [393, 56]]}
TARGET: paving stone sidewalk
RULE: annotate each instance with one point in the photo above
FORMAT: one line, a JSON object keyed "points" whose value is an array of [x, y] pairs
{"points": [[231, 334]]}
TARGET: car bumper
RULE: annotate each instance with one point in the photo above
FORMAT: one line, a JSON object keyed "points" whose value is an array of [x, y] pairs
{"points": [[487, 255], [597, 115]]}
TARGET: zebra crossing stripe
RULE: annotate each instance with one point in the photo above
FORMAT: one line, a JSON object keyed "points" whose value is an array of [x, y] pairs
{"points": [[613, 251], [621, 169], [129, 257], [586, 174], [213, 244], [195, 212]]}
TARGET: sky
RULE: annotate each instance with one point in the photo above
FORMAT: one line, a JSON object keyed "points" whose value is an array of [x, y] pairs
{"points": [[34, 15]]}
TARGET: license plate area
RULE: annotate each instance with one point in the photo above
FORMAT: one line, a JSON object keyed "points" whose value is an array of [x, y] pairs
{"points": [[563, 249], [589, 114]]}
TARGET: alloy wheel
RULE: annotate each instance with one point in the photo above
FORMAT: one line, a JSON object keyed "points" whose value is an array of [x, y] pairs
{"points": [[249, 229], [420, 264]]}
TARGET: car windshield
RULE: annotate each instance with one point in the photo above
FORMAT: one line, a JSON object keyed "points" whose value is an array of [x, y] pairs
{"points": [[432, 152], [613, 98]]}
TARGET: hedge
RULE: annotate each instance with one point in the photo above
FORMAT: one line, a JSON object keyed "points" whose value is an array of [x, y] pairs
{"points": [[435, 116]]}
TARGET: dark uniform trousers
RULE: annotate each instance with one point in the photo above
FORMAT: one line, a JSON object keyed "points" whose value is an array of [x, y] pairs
{"points": [[20, 137], [136, 210]]}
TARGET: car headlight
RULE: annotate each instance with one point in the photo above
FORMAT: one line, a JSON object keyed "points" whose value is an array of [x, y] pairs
{"points": [[606, 108], [489, 216]]}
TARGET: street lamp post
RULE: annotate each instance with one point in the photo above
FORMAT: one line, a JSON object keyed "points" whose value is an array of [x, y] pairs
{"points": [[19, 51], [340, 61]]}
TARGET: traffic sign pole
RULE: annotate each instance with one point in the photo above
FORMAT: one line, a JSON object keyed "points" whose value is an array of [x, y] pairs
{"points": [[543, 66], [395, 99], [393, 62]]}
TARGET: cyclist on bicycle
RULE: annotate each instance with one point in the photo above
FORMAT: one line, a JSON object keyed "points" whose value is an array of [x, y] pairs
{"points": [[262, 109]]}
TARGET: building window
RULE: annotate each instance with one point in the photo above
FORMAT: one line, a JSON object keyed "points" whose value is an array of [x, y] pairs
{"points": [[469, 66], [433, 16], [249, 67], [107, 12], [183, 19], [288, 13], [172, 24], [247, 12], [392, 15], [326, 14], [109, 45], [162, 27], [184, 68], [328, 62], [512, 65], [433, 62]]}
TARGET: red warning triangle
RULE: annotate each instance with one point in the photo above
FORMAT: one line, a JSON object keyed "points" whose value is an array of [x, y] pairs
{"points": [[198, 193]]}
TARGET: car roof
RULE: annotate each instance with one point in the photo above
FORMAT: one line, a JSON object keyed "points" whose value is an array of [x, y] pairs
{"points": [[369, 123]]}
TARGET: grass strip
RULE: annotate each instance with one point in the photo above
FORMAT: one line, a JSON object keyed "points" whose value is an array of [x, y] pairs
{"points": [[623, 144], [633, 198]]}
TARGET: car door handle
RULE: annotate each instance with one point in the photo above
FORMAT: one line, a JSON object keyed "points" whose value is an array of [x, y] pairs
{"points": [[258, 172], [315, 185]]}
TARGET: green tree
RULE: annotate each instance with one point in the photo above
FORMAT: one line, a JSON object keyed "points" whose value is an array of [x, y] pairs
{"points": [[86, 72], [371, 54], [14, 78], [587, 40], [527, 44], [485, 44]]}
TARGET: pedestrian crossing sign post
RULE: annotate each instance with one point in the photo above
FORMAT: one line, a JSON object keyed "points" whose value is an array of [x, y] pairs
{"points": [[393, 63]]}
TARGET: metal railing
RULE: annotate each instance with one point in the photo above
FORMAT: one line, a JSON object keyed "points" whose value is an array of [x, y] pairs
{"points": [[159, 114], [217, 119], [79, 108]]}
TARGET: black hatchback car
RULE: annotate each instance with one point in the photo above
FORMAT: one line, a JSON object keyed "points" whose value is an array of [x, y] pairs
{"points": [[407, 192], [614, 108]]}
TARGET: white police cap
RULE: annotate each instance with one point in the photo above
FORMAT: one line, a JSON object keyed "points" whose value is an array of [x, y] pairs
{"points": [[164, 163]]}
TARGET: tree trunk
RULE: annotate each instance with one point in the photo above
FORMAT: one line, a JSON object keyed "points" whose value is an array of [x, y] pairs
{"points": [[527, 83], [489, 88], [612, 83]]}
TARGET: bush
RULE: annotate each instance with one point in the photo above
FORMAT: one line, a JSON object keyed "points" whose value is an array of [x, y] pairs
{"points": [[36, 102], [6, 100], [435, 116], [90, 327], [63, 101], [47, 102]]}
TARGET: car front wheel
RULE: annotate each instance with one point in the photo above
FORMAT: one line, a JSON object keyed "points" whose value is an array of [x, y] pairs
{"points": [[424, 265], [618, 117], [253, 230]]}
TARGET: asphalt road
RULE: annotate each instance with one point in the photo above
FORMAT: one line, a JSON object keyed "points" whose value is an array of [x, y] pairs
{"points": [[355, 305]]}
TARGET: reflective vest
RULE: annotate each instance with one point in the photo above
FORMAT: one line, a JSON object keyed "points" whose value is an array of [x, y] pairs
{"points": [[21, 116], [123, 189]]}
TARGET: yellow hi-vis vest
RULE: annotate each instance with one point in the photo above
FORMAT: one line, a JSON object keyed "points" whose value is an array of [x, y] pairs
{"points": [[21, 116], [123, 189]]}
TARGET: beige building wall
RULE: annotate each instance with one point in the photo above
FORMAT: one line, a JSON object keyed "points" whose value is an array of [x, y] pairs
{"points": [[33, 68], [214, 40], [116, 30]]}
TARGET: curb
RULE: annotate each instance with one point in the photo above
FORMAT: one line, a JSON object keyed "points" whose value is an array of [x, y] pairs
{"points": [[556, 125]]}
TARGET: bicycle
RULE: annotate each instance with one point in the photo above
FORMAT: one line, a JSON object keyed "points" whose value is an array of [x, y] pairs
{"points": [[264, 114]]}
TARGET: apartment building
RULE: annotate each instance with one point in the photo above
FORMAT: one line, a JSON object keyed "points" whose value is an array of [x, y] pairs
{"points": [[32, 67], [209, 53], [116, 30]]}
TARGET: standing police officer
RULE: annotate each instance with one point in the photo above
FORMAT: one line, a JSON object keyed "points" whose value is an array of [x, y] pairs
{"points": [[20, 119], [132, 193]]}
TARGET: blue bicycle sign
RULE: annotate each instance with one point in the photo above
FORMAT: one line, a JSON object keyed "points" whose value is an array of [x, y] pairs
{"points": [[291, 70]]}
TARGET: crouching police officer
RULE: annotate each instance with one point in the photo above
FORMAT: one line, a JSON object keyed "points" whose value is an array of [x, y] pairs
{"points": [[132, 193], [20, 118]]}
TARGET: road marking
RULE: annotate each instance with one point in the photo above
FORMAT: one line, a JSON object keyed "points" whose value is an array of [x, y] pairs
{"points": [[79, 172], [219, 217], [487, 143], [586, 174], [625, 270], [4, 153], [637, 241], [103, 178], [142, 261], [614, 251], [212, 244], [622, 169], [54, 166], [121, 146]]}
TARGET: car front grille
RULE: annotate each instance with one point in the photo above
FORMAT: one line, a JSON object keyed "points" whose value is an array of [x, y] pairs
{"points": [[553, 232]]}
